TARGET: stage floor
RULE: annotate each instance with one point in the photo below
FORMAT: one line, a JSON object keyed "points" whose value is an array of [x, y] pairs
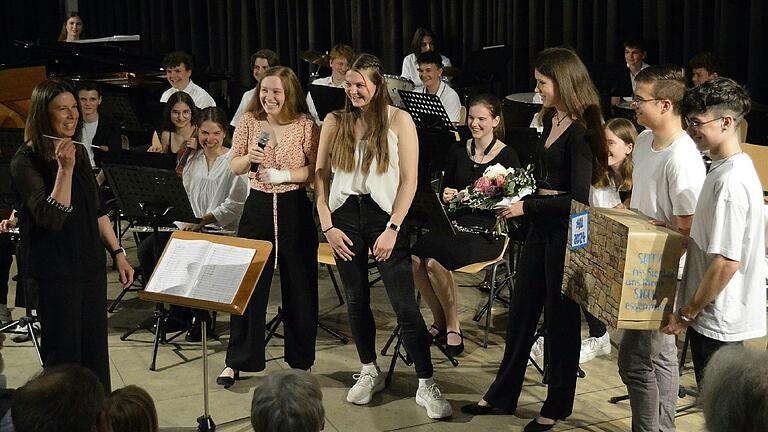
{"points": [[177, 388]]}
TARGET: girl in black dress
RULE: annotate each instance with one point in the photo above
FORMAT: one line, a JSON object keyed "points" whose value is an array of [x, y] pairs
{"points": [[64, 232], [571, 154], [435, 255]]}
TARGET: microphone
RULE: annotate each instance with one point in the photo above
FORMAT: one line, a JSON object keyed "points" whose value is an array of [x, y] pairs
{"points": [[263, 139]]}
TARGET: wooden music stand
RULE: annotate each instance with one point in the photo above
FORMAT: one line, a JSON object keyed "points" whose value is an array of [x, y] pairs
{"points": [[237, 306]]}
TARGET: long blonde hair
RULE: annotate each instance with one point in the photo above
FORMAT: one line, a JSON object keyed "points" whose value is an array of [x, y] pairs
{"points": [[376, 116]]}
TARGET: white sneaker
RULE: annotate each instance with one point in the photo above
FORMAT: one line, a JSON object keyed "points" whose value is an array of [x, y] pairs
{"points": [[593, 347], [430, 398], [369, 382], [537, 350]]}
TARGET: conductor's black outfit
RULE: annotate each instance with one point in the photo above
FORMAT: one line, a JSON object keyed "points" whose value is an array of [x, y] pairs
{"points": [[65, 258]]}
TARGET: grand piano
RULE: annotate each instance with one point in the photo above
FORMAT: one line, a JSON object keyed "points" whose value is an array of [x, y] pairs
{"points": [[131, 79]]}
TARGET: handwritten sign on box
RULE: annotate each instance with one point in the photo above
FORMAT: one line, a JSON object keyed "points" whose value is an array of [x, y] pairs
{"points": [[626, 275]]}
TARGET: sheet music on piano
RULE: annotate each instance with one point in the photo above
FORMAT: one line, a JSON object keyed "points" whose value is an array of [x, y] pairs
{"points": [[115, 38], [202, 270]]}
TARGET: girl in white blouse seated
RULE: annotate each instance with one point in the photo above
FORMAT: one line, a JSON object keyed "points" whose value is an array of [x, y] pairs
{"points": [[423, 40], [216, 194], [620, 134]]}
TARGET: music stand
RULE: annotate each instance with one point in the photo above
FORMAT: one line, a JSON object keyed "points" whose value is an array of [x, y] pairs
{"points": [[119, 107], [428, 212], [327, 99], [158, 197], [136, 159], [427, 110]]}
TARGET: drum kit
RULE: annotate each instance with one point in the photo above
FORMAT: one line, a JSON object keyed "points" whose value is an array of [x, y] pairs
{"points": [[395, 83]]}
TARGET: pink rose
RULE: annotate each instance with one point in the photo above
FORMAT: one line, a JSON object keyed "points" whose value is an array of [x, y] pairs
{"points": [[500, 180], [481, 184]]}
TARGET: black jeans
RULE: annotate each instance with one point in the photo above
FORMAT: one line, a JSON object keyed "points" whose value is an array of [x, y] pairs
{"points": [[540, 276], [702, 349], [363, 221]]}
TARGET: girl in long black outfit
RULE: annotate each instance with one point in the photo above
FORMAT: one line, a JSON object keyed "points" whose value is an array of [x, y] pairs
{"points": [[435, 255], [278, 210], [571, 153], [65, 232]]}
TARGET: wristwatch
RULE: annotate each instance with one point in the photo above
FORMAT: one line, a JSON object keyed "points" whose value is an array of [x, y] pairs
{"points": [[393, 226], [117, 252], [685, 319]]}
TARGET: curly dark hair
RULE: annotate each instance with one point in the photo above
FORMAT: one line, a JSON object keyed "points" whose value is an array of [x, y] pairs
{"points": [[721, 95]]}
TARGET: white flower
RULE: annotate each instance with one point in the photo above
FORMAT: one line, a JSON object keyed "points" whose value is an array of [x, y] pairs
{"points": [[495, 170]]}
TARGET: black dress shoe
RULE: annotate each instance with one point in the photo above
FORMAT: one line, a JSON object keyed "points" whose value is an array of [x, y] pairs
{"points": [[195, 333], [476, 409], [227, 381], [534, 426], [454, 350]]}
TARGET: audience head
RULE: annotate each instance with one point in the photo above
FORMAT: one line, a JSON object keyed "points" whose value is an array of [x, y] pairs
{"points": [[634, 52], [564, 84], [180, 111], [72, 28], [340, 58], [262, 60], [734, 394], [178, 69], [288, 401], [430, 68], [54, 110], [89, 95], [484, 116], [658, 94], [367, 96], [620, 135], [704, 67], [131, 409], [279, 96], [67, 398], [423, 40], [213, 128], [714, 111]]}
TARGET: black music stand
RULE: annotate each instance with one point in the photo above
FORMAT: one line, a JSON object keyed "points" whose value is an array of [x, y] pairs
{"points": [[119, 107], [427, 110], [136, 159], [327, 99], [156, 196]]}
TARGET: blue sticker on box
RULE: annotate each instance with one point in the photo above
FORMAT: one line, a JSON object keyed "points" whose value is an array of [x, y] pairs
{"points": [[579, 230]]}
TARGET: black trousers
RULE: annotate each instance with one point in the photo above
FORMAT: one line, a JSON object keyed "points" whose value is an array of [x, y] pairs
{"points": [[702, 349], [363, 221], [297, 258], [538, 284], [6, 258], [73, 320]]}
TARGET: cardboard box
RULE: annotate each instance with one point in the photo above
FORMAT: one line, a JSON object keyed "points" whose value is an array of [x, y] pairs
{"points": [[626, 275]]}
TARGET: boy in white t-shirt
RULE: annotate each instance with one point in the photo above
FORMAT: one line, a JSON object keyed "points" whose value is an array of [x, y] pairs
{"points": [[666, 180], [721, 299]]}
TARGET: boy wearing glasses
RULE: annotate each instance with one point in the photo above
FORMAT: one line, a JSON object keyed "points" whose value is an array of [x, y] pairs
{"points": [[178, 72], [667, 178], [721, 299]]}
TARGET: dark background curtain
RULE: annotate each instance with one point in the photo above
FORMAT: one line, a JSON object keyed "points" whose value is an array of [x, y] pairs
{"points": [[223, 34]]}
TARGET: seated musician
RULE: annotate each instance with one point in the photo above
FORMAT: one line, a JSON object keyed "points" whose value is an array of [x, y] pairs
{"points": [[216, 194], [340, 58], [704, 67], [435, 255], [430, 72], [623, 85], [260, 61], [423, 40], [178, 72], [179, 128], [98, 129], [72, 28]]}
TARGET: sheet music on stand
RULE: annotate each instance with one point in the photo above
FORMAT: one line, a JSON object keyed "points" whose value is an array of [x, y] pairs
{"points": [[427, 110]]}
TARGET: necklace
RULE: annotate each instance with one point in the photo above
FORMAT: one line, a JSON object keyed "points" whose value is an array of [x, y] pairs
{"points": [[558, 119], [487, 150]]}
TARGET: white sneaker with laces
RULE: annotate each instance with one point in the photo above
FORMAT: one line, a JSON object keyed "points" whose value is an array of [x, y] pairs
{"points": [[592, 347], [537, 350], [429, 397], [369, 382]]}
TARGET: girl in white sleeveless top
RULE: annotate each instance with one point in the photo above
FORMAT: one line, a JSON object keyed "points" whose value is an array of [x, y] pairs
{"points": [[372, 150]]}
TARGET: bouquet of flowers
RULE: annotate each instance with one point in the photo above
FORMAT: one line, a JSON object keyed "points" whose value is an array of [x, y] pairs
{"points": [[498, 188]]}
